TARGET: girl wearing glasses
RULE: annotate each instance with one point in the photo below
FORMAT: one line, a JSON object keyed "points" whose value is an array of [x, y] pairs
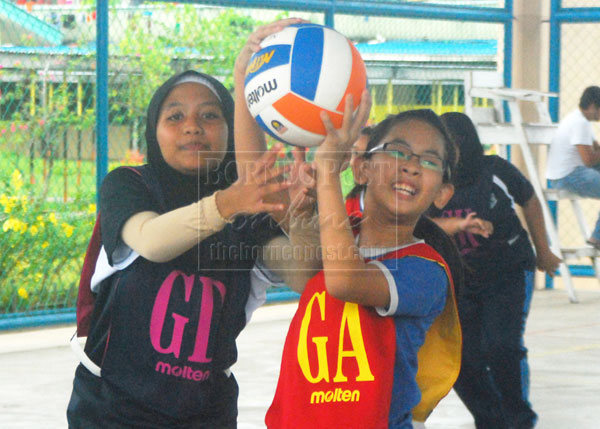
{"points": [[378, 299], [384, 299]]}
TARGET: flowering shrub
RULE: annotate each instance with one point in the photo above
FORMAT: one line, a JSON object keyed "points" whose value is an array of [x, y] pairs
{"points": [[42, 247]]}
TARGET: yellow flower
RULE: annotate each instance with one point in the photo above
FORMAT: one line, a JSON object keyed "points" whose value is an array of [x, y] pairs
{"points": [[68, 229], [52, 218], [14, 224], [7, 225], [45, 244], [8, 202], [16, 180], [40, 220], [23, 293], [92, 208], [33, 230]]}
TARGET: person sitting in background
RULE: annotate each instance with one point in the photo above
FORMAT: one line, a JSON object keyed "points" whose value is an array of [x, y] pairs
{"points": [[574, 155]]}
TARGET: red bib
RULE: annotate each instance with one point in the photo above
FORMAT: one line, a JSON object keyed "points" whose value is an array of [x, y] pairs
{"points": [[338, 360]]}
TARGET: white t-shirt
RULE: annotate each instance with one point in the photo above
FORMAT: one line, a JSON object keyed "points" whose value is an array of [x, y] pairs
{"points": [[563, 156]]}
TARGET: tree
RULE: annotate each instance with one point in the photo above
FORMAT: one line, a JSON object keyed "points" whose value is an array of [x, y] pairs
{"points": [[151, 50]]}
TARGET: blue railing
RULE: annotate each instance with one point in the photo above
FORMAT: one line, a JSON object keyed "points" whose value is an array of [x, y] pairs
{"points": [[31, 319]]}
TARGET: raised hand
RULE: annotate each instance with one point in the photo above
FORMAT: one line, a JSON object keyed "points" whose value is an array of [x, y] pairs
{"points": [[249, 137], [255, 39], [333, 154], [249, 194]]}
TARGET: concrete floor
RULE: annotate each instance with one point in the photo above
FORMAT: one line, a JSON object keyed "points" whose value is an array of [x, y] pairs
{"points": [[36, 368]]}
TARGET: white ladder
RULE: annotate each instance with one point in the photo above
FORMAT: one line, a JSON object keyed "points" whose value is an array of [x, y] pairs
{"points": [[494, 130]]}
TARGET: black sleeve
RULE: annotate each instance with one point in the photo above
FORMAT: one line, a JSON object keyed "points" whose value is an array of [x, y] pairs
{"points": [[517, 185], [123, 193]]}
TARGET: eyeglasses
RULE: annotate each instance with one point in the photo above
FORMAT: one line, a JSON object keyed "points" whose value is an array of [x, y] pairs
{"points": [[403, 152]]}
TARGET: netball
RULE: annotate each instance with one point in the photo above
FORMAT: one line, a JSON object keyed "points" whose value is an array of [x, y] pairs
{"points": [[299, 72]]}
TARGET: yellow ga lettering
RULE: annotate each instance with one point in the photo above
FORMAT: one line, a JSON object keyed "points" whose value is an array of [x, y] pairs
{"points": [[350, 319], [258, 62]]}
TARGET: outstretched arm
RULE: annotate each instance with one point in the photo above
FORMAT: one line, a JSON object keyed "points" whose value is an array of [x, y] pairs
{"points": [[160, 238], [471, 224], [296, 258], [249, 138], [347, 276], [250, 142]]}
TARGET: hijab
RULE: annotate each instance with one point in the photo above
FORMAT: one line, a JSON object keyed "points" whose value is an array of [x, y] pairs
{"points": [[465, 136], [180, 189]]}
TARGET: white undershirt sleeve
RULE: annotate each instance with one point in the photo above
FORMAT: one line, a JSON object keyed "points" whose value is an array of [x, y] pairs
{"points": [[391, 310], [161, 238]]}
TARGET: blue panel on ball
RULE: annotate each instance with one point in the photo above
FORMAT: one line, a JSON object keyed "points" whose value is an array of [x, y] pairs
{"points": [[264, 126], [306, 25], [307, 57], [267, 58]]}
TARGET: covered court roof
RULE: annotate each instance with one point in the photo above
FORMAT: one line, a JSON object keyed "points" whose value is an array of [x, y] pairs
{"points": [[430, 47]]}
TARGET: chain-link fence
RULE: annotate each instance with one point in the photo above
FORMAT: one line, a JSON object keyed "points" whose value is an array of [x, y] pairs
{"points": [[577, 71], [46, 156], [48, 100]]}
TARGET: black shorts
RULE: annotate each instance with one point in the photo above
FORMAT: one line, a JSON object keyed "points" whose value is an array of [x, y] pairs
{"points": [[94, 404]]}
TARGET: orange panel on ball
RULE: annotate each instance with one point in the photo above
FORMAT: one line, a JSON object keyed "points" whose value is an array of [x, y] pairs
{"points": [[357, 81], [304, 114]]}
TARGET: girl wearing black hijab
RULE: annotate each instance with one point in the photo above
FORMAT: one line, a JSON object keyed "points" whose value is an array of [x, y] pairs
{"points": [[180, 237], [498, 283]]}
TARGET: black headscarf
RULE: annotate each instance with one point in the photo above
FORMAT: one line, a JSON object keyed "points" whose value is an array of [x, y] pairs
{"points": [[465, 136], [180, 189]]}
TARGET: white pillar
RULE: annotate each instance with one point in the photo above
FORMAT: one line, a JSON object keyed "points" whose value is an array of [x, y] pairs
{"points": [[530, 71]]}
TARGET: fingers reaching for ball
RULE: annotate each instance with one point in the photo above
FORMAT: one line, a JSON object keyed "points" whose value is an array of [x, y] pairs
{"points": [[265, 31], [255, 39], [334, 153]]}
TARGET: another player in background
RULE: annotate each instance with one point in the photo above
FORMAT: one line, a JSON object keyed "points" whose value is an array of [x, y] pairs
{"points": [[500, 262]]}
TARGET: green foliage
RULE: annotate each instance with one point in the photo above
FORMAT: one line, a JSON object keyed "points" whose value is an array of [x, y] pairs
{"points": [[186, 39], [42, 246], [45, 230]]}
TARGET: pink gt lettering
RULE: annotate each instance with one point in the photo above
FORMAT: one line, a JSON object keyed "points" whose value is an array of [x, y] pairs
{"points": [[159, 314], [206, 312]]}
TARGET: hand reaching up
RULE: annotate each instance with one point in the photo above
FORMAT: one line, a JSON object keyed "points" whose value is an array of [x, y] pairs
{"points": [[333, 155], [255, 39]]}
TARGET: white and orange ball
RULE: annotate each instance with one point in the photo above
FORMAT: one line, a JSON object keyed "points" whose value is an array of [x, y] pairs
{"points": [[299, 72]]}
